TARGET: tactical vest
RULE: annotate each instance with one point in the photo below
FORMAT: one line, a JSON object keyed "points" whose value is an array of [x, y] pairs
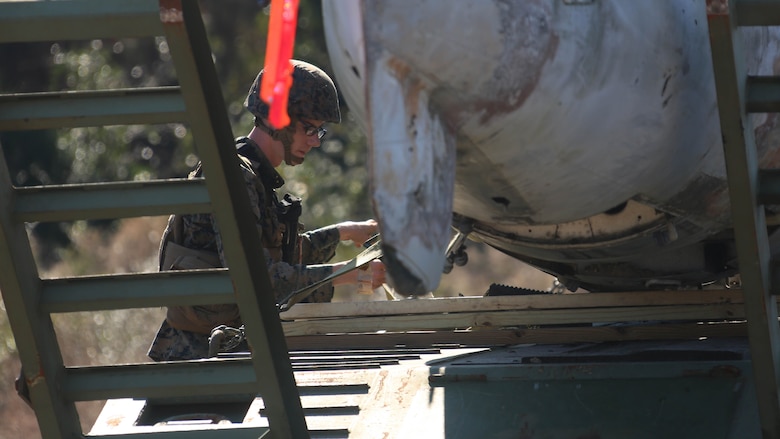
{"points": [[279, 236]]}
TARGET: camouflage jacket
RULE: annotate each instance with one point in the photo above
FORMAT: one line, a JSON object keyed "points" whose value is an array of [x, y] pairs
{"points": [[200, 232]]}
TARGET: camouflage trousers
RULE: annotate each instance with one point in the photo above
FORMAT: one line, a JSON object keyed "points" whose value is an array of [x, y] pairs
{"points": [[173, 344]]}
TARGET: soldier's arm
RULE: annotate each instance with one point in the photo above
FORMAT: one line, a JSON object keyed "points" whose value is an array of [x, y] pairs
{"points": [[286, 278], [319, 246]]}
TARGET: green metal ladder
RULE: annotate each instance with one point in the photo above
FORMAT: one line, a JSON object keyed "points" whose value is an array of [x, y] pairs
{"points": [[30, 301], [750, 188]]}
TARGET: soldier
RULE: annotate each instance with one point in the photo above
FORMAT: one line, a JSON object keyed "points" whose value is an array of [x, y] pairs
{"points": [[193, 241]]}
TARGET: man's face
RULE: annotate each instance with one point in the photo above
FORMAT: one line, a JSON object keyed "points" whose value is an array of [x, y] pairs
{"points": [[307, 136]]}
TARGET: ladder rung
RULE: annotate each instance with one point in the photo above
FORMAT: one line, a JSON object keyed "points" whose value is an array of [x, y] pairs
{"points": [[758, 12], [160, 380], [144, 290], [30, 21], [110, 200], [763, 94], [232, 431], [769, 186], [32, 111]]}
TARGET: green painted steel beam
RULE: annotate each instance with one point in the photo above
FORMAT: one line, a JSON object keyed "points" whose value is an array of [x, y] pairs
{"points": [[757, 12], [763, 94], [34, 111], [110, 200], [139, 290], [212, 432], [198, 378], [33, 331], [750, 230], [243, 248], [28, 21]]}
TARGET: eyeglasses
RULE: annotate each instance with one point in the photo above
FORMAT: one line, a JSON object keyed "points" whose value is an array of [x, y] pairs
{"points": [[311, 130]]}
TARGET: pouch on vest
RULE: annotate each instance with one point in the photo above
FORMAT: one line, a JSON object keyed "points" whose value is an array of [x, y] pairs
{"points": [[177, 257], [288, 211]]}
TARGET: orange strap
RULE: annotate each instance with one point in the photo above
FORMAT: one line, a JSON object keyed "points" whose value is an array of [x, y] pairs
{"points": [[277, 78]]}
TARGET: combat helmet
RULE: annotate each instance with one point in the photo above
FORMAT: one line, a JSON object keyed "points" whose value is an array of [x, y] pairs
{"points": [[312, 95]]}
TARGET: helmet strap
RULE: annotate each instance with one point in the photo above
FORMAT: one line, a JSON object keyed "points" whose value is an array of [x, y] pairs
{"points": [[284, 135]]}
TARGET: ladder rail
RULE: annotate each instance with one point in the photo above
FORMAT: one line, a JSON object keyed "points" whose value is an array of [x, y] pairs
{"points": [[36, 343], [748, 215]]}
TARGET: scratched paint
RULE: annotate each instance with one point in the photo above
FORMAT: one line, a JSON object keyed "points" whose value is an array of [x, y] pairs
{"points": [[412, 172]]}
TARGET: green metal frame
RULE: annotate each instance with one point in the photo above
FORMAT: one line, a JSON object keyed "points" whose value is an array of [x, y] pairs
{"points": [[29, 300], [737, 94]]}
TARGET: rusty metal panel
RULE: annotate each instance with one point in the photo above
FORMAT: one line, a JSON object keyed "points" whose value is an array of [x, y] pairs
{"points": [[604, 390]]}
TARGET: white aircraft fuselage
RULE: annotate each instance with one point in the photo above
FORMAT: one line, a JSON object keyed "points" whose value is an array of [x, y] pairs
{"points": [[580, 136]]}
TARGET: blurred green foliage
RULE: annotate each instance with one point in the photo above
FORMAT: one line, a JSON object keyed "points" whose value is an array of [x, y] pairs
{"points": [[332, 182]]}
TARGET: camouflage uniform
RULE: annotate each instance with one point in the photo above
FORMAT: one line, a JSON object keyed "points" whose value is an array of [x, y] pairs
{"points": [[184, 333]]}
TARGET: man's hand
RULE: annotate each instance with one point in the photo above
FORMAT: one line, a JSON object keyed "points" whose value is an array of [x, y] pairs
{"points": [[357, 231], [371, 277]]}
